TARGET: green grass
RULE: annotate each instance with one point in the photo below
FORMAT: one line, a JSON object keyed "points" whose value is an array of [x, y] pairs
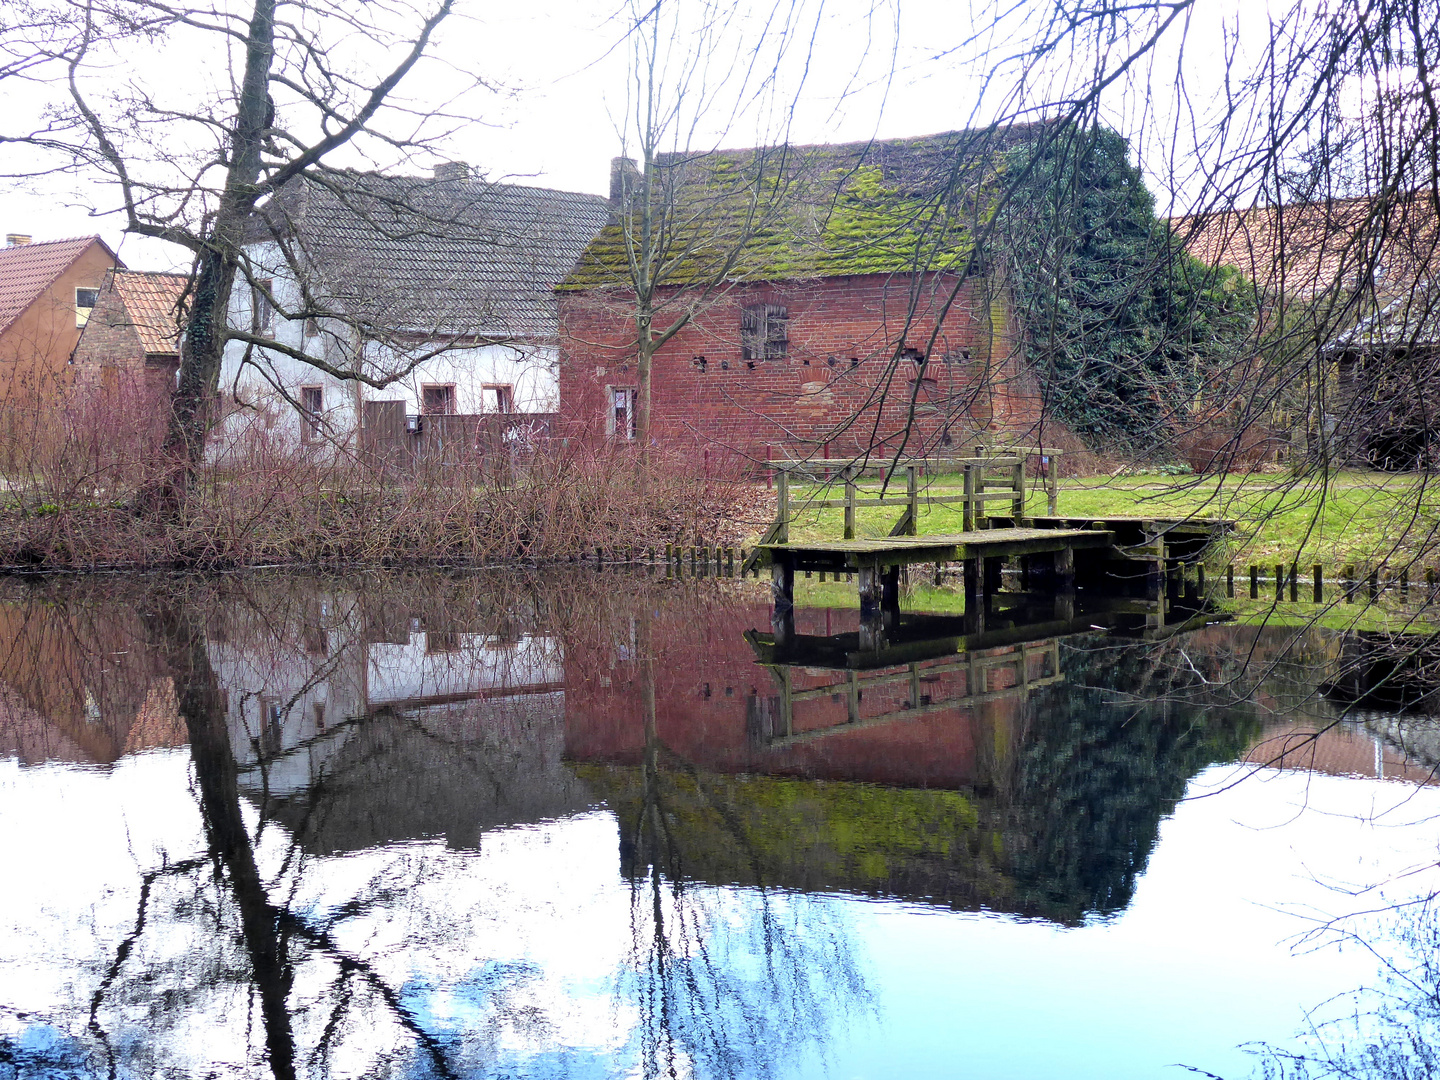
{"points": [[1352, 517]]}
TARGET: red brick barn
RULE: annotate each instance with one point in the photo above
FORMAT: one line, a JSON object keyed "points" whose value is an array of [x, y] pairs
{"points": [[833, 297]]}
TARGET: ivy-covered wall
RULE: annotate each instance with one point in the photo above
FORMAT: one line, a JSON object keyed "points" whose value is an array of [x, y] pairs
{"points": [[1122, 327]]}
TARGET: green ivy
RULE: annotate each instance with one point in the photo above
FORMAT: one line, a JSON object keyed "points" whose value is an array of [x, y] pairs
{"points": [[1123, 327]]}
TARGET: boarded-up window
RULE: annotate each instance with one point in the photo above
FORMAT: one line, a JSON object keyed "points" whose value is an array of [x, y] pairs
{"points": [[438, 400], [764, 332]]}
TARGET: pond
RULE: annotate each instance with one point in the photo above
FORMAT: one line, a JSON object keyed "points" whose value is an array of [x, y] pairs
{"points": [[608, 824]]}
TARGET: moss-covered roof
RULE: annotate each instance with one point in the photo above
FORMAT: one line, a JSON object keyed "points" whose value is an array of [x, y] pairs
{"points": [[786, 212]]}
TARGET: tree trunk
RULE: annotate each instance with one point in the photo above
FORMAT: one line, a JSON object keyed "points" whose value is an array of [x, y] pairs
{"points": [[642, 392], [203, 346]]}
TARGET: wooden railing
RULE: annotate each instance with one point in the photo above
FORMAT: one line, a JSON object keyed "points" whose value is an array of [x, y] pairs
{"points": [[986, 478]]}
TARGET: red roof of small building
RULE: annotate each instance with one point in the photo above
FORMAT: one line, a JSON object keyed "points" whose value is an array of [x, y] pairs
{"points": [[153, 301], [27, 270]]}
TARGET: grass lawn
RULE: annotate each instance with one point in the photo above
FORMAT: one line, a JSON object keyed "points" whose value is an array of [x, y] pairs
{"points": [[1363, 518]]}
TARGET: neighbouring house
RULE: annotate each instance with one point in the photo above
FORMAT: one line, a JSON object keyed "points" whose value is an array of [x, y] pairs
{"points": [[832, 296], [47, 292], [1310, 250], [437, 290], [131, 341], [1356, 274]]}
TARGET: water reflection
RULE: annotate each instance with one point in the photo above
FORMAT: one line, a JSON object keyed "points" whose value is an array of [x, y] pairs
{"points": [[592, 826]]}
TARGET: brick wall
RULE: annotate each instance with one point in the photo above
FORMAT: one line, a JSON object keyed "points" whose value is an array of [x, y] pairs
{"points": [[839, 384], [110, 355], [710, 697]]}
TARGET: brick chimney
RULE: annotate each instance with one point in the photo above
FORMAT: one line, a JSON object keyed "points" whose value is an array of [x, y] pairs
{"points": [[16, 239], [452, 170], [624, 178]]}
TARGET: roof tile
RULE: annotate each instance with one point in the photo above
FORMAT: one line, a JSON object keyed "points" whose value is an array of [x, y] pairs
{"points": [[27, 270]]}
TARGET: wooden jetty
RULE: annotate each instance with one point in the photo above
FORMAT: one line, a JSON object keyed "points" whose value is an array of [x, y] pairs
{"points": [[1047, 545]]}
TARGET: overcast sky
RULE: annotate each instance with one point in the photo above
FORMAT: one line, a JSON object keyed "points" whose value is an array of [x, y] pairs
{"points": [[870, 67]]}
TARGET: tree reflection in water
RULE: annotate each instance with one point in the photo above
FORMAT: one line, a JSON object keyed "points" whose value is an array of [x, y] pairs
{"points": [[265, 955], [1390, 1031], [727, 985]]}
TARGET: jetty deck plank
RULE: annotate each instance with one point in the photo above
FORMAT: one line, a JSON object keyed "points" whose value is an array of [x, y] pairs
{"points": [[946, 547]]}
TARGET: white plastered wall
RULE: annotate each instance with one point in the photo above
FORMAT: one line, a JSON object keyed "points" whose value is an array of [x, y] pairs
{"points": [[254, 404]]}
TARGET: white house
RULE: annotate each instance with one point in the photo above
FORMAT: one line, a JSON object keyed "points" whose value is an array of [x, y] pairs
{"points": [[438, 290]]}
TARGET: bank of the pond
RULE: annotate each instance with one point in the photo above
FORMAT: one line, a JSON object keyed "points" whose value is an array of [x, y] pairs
{"points": [[1354, 518], [354, 518]]}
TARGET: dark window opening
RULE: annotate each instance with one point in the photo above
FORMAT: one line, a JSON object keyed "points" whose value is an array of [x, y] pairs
{"points": [[764, 332], [312, 404], [262, 311], [438, 400]]}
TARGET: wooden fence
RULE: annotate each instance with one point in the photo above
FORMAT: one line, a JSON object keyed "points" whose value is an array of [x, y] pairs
{"points": [[392, 438], [999, 476], [1350, 585]]}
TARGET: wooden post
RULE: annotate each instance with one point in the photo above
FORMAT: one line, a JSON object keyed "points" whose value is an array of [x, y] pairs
{"points": [[849, 506], [1065, 569], [979, 489], [1254, 582], [1405, 585], [1279, 582], [1319, 584], [782, 504], [1347, 583], [1053, 502], [1230, 581], [1374, 586], [1200, 579], [730, 562], [967, 508], [1017, 481], [912, 495]]}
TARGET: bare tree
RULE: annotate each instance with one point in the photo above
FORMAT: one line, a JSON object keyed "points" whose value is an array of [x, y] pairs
{"points": [[191, 167]]}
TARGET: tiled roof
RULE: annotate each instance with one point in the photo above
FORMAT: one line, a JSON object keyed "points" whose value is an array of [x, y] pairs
{"points": [[1304, 249], [455, 256], [787, 212], [153, 302], [27, 270]]}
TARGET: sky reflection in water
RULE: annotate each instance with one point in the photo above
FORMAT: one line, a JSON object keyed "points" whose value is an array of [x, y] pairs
{"points": [[506, 843]]}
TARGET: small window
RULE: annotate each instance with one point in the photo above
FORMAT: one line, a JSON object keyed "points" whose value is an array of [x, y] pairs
{"points": [[312, 404], [438, 400], [764, 332], [622, 412], [312, 327], [85, 300], [497, 398], [262, 311], [319, 718]]}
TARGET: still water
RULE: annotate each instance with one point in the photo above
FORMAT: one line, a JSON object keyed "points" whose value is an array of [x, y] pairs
{"points": [[606, 826]]}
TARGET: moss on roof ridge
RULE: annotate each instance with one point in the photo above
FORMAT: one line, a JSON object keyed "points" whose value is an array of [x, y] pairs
{"points": [[825, 212]]}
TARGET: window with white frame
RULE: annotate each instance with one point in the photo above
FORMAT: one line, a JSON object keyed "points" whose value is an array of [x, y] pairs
{"points": [[85, 301], [621, 420]]}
